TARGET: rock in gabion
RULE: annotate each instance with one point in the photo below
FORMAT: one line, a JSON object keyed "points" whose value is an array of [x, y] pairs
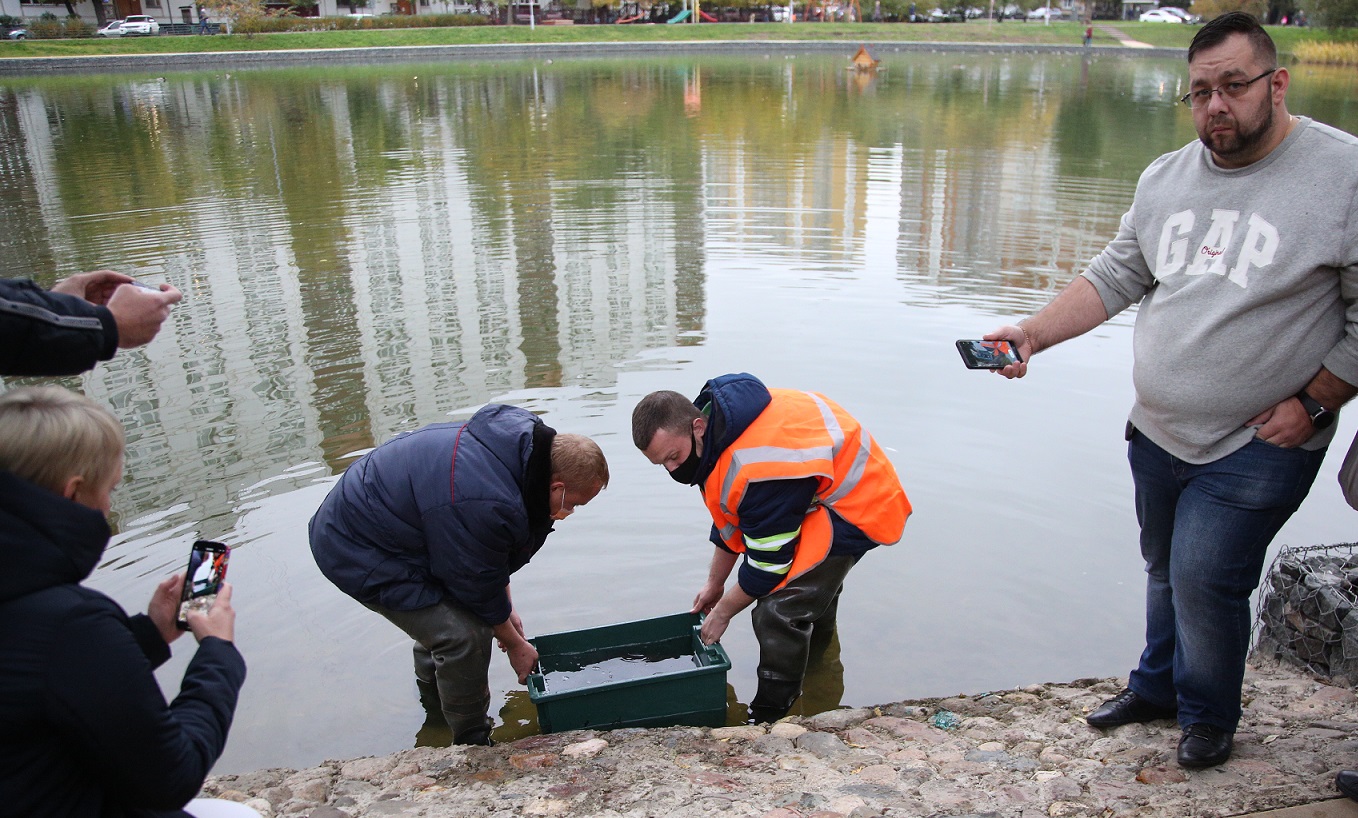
{"points": [[1308, 611]]}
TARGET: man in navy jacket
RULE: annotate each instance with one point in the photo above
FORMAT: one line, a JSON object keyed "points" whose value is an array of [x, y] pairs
{"points": [[426, 529]]}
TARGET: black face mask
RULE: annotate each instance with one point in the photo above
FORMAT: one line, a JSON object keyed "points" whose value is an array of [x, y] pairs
{"points": [[685, 472]]}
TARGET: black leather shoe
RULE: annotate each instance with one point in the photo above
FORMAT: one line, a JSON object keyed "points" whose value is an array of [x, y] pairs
{"points": [[1347, 782], [1203, 745], [1127, 708]]}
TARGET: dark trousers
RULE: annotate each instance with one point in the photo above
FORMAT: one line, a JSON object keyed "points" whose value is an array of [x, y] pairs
{"points": [[452, 656], [784, 622], [1205, 532]]}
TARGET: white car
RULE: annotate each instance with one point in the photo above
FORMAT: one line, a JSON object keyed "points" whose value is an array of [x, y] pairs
{"points": [[1042, 12], [1160, 16], [1181, 14], [113, 28], [139, 24]]}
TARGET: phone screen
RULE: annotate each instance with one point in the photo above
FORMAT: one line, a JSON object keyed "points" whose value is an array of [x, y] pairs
{"points": [[203, 578], [988, 354]]}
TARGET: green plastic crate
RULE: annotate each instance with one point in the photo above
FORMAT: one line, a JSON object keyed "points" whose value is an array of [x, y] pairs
{"points": [[693, 696]]}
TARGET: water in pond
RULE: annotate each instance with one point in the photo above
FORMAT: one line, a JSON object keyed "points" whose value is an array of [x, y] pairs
{"points": [[368, 250]]}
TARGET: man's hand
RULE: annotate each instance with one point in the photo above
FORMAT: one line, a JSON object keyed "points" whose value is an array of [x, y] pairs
{"points": [[522, 657], [707, 597], [1286, 425], [95, 287], [164, 607], [713, 627], [1021, 342], [139, 312], [219, 621]]}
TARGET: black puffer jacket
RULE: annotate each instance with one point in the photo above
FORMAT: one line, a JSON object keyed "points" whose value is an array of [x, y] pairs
{"points": [[84, 729], [45, 333]]}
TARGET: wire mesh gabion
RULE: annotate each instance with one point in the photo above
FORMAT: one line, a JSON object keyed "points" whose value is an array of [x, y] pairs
{"points": [[1307, 612]]}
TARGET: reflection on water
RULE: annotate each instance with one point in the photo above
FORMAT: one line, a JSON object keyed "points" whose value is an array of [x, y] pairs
{"points": [[364, 251]]}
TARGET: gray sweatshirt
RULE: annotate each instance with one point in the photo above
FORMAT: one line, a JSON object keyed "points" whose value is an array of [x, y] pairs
{"points": [[1248, 283]]}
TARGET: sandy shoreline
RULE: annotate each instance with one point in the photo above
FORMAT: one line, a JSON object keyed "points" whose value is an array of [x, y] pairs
{"points": [[1023, 753]]}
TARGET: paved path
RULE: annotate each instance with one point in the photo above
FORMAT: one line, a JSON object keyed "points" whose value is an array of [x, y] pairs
{"points": [[1123, 39]]}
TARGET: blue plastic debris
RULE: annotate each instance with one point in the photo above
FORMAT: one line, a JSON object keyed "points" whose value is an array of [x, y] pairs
{"points": [[945, 720]]}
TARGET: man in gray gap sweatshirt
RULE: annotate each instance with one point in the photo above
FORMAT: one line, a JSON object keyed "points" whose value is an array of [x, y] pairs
{"points": [[1242, 250]]}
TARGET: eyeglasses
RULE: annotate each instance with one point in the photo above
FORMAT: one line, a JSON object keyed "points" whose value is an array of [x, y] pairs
{"points": [[1234, 90]]}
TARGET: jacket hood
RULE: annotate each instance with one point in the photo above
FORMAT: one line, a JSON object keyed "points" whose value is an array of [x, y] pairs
{"points": [[730, 403], [45, 539]]}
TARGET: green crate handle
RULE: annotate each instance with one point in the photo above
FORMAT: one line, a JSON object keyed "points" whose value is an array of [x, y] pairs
{"points": [[710, 653]]}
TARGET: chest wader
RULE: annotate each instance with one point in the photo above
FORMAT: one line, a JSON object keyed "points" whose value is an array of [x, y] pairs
{"points": [[452, 661], [784, 623]]}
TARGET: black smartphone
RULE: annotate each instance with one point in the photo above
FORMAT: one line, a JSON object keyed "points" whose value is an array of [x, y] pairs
{"points": [[988, 354], [202, 579]]}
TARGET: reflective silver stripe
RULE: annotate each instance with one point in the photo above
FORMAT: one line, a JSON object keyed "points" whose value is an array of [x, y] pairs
{"points": [[727, 531], [860, 458], [771, 454]]}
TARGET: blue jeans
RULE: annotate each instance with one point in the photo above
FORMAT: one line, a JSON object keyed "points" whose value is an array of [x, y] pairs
{"points": [[1205, 530]]}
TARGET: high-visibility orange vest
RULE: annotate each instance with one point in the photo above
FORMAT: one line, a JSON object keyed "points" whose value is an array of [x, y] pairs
{"points": [[804, 434]]}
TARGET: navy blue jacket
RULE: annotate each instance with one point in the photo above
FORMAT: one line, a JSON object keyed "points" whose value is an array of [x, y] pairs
{"points": [[84, 728], [448, 511], [46, 333]]}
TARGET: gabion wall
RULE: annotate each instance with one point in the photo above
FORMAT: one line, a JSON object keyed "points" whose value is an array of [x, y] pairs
{"points": [[1308, 611]]}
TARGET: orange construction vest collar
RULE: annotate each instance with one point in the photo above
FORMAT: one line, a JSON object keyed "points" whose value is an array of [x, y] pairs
{"points": [[805, 434]]}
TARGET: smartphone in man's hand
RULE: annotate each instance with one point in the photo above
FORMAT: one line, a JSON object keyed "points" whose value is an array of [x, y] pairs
{"points": [[988, 354], [202, 579]]}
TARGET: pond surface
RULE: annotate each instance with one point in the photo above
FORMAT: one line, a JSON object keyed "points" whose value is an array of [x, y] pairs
{"points": [[368, 250]]}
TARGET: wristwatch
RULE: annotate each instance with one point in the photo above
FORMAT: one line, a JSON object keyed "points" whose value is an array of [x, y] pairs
{"points": [[1320, 416]]}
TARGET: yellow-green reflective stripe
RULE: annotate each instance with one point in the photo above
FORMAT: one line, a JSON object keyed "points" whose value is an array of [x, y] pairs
{"points": [[769, 567], [772, 543]]}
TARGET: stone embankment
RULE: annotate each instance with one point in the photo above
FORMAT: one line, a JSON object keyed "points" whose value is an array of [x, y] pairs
{"points": [[1021, 753]]}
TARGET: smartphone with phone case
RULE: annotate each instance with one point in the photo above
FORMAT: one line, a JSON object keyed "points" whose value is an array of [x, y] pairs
{"points": [[988, 354], [202, 579]]}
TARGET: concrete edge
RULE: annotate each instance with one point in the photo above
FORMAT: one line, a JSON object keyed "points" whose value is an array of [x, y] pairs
{"points": [[16, 66]]}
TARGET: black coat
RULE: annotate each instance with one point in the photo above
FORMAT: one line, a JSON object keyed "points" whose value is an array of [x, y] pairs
{"points": [[46, 333], [84, 728]]}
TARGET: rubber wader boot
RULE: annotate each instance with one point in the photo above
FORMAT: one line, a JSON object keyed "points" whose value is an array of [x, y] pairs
{"points": [[773, 699]]}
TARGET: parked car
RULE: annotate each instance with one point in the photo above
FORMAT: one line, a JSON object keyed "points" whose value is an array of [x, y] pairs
{"points": [[139, 24], [1042, 12], [1181, 14], [113, 28], [1160, 16], [16, 34]]}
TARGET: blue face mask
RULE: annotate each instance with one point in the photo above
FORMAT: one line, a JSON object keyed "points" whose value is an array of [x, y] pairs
{"points": [[686, 471]]}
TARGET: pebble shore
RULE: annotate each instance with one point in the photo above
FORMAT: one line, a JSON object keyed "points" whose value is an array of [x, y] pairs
{"points": [[1021, 753]]}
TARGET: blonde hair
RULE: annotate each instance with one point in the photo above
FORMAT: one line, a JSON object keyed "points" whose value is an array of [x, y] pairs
{"points": [[49, 435], [578, 462]]}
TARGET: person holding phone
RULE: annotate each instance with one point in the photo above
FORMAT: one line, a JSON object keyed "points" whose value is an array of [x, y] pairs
{"points": [[427, 528], [798, 492], [1242, 251], [84, 728], [82, 320]]}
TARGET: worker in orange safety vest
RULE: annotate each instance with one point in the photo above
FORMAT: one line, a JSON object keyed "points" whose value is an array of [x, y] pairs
{"points": [[798, 492]]}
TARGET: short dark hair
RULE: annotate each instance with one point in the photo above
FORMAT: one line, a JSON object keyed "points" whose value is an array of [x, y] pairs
{"points": [[661, 410], [1235, 22]]}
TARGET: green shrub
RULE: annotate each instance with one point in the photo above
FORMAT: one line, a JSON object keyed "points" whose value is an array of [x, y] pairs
{"points": [[47, 27], [76, 27]]}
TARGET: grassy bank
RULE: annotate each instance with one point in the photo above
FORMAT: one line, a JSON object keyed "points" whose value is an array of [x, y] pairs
{"points": [[1010, 32]]}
